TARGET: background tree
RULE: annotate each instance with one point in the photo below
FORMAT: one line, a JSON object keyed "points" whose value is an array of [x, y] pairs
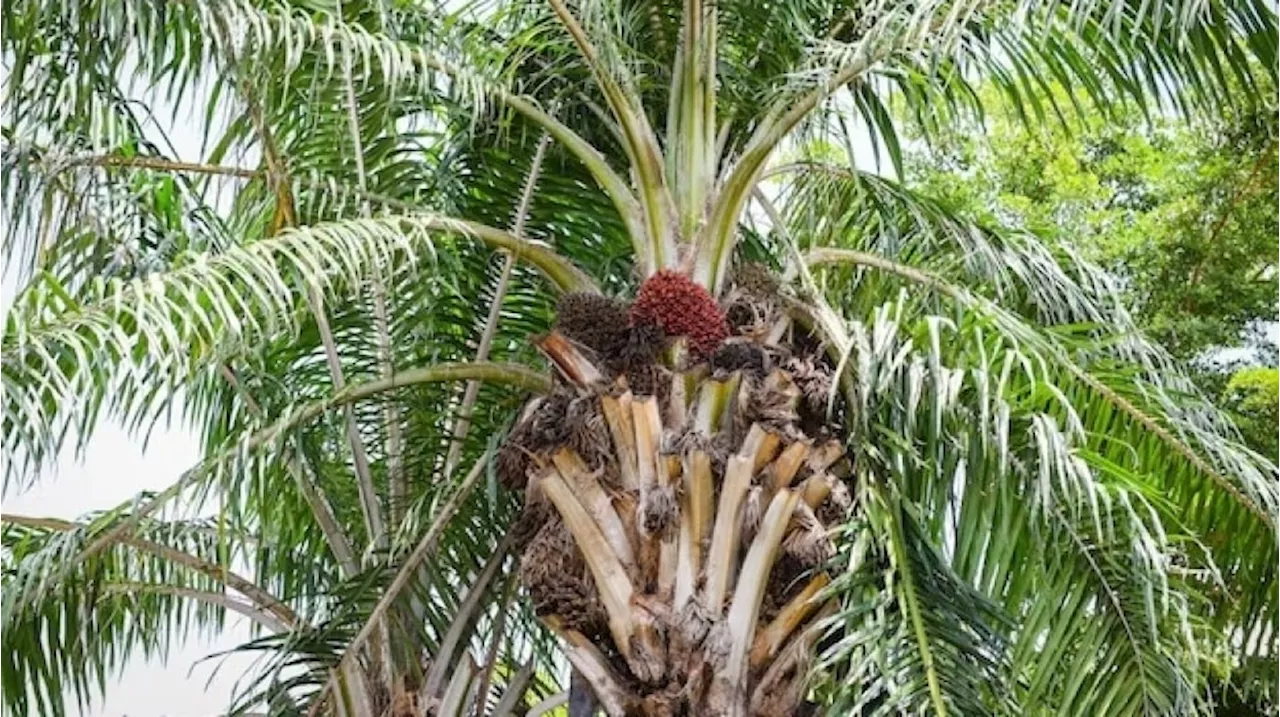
{"points": [[1183, 213], [1000, 405]]}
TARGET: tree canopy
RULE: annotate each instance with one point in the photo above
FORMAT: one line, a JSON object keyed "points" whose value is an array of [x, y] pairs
{"points": [[1182, 213]]}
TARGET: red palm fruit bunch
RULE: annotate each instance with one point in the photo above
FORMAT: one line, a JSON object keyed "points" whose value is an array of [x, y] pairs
{"points": [[673, 303]]}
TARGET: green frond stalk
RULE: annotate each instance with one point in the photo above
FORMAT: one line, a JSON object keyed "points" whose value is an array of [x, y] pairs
{"points": [[339, 542], [643, 153], [407, 570], [495, 310], [226, 602], [892, 31], [692, 154], [913, 609], [396, 478]]}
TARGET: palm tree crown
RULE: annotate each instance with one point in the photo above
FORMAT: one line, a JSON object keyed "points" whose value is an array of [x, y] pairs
{"points": [[1046, 516]]}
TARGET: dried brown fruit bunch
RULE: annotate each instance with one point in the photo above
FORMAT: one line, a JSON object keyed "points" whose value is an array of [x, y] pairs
{"points": [[555, 573], [640, 347], [595, 321], [741, 356], [680, 307], [756, 279], [649, 380], [513, 463]]}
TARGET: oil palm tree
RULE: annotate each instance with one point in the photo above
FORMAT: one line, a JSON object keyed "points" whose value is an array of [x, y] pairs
{"points": [[526, 335]]}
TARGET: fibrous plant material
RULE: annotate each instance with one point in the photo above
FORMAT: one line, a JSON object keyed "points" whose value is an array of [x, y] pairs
{"points": [[649, 380], [679, 517], [743, 317], [756, 311], [752, 306], [555, 574], [512, 463], [814, 380], [585, 433], [680, 307], [741, 356], [541, 427], [772, 402], [756, 280]]}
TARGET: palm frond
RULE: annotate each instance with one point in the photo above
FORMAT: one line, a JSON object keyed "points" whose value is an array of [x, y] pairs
{"points": [[418, 603], [164, 583], [909, 634], [891, 221], [1049, 518], [962, 428], [123, 344], [925, 53], [1105, 485], [293, 44]]}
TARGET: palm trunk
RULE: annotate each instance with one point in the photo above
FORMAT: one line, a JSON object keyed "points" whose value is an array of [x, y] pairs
{"points": [[676, 544]]}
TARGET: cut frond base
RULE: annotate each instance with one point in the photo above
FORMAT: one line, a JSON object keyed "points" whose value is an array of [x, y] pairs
{"points": [[682, 562]]}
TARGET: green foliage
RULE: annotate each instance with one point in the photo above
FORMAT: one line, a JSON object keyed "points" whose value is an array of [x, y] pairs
{"points": [[1184, 213], [1051, 519], [1253, 396]]}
